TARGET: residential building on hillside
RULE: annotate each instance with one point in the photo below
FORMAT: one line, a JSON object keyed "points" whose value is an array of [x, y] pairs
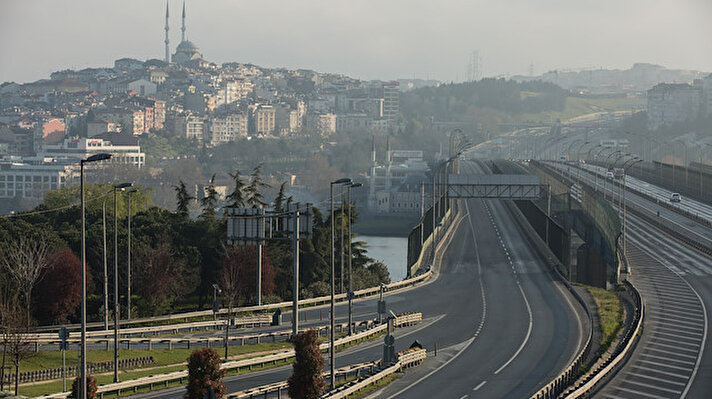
{"points": [[264, 119], [227, 128], [321, 123], [673, 102]]}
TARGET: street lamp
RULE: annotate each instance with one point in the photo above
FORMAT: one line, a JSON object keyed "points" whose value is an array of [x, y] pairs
{"points": [[351, 278], [117, 313], [94, 158], [216, 289], [341, 181], [128, 262]]}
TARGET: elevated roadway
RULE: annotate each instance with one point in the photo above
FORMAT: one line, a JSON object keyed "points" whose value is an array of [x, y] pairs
{"points": [[674, 356], [502, 324]]}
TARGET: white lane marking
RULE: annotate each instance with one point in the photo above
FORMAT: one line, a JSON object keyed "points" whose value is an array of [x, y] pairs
{"points": [[659, 388], [482, 319], [670, 353], [463, 396], [529, 331], [639, 393], [667, 359], [479, 386], [661, 380], [657, 370]]}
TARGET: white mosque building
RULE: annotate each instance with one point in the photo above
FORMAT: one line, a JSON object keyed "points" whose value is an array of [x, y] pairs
{"points": [[186, 52]]}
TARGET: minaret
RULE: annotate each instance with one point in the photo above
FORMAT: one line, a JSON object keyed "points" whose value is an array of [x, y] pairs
{"points": [[182, 29], [372, 185], [166, 41], [388, 163]]}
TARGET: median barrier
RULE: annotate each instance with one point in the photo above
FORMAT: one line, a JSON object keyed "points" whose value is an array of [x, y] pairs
{"points": [[278, 387], [406, 359], [180, 376], [618, 358]]}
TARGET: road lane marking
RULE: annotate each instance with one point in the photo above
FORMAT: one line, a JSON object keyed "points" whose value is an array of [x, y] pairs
{"points": [[479, 386], [661, 380], [482, 319]]}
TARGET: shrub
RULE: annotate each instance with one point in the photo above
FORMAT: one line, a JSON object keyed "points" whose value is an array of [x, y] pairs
{"points": [[204, 372], [306, 381], [91, 387]]}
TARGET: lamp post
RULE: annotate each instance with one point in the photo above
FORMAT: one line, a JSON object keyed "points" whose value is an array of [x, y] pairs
{"points": [[625, 201], [341, 181], [216, 289], [351, 278], [341, 242], [128, 261], [83, 384], [117, 313]]}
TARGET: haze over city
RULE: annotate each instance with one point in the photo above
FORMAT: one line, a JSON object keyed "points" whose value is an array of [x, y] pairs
{"points": [[364, 39]]}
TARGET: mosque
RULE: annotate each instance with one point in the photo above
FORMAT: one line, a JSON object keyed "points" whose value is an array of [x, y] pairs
{"points": [[187, 52]]}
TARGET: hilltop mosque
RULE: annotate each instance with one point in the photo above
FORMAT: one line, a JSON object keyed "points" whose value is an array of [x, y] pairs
{"points": [[186, 52]]}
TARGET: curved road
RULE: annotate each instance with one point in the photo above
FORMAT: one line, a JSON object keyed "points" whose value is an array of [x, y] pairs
{"points": [[502, 325]]}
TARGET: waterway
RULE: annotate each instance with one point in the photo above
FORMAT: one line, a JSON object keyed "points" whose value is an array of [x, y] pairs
{"points": [[392, 251]]}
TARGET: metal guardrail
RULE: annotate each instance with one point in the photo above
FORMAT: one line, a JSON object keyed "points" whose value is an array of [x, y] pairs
{"points": [[257, 320], [179, 376], [618, 357], [407, 358], [246, 309], [278, 387]]}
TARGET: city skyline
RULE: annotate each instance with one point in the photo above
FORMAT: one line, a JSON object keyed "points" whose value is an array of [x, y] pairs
{"points": [[401, 41]]}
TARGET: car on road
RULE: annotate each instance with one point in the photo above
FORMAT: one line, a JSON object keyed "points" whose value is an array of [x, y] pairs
{"points": [[675, 197], [609, 174]]}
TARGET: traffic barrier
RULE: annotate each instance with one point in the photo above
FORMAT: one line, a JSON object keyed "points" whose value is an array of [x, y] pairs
{"points": [[56, 373], [278, 387], [616, 360], [180, 376], [406, 359]]}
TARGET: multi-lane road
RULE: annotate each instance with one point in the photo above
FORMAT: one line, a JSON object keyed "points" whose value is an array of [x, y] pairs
{"points": [[674, 356], [503, 325]]}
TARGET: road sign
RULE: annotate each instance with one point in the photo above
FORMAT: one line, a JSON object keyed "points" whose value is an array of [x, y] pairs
{"points": [[63, 335]]}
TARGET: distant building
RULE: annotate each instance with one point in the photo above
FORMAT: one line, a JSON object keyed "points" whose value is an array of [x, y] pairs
{"points": [[673, 102], [394, 187], [187, 51], [707, 95], [323, 124], [227, 128], [102, 126], [124, 149], [264, 119], [32, 178]]}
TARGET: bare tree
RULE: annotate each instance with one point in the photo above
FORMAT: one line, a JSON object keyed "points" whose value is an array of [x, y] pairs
{"points": [[24, 259], [14, 326]]}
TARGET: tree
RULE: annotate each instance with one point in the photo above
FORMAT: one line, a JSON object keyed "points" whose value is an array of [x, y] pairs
{"points": [[307, 381], [240, 265], [24, 259], [182, 199], [255, 198], [280, 199], [160, 277], [209, 201], [60, 287], [91, 387], [14, 327], [237, 197], [204, 373]]}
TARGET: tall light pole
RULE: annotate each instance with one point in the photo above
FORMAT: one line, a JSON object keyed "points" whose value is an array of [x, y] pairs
{"points": [[117, 313], [351, 276], [341, 181], [83, 384], [128, 261], [341, 243], [106, 272]]}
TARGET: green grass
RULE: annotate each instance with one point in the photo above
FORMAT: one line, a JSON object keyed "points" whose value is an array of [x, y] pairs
{"points": [[610, 314], [165, 361], [380, 383], [577, 106]]}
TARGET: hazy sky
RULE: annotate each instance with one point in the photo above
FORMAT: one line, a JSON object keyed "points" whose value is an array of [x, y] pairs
{"points": [[369, 39]]}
